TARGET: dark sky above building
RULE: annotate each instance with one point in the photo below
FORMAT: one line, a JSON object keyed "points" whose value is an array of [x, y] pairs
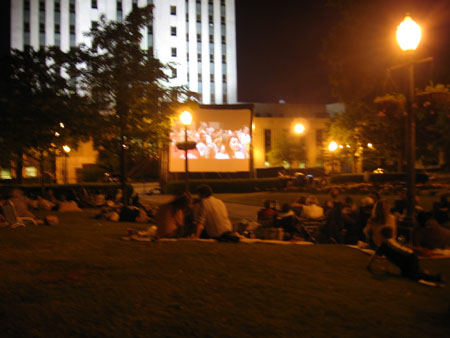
{"points": [[278, 47]]}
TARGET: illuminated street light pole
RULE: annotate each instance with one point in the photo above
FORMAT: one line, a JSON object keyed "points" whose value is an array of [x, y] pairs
{"points": [[67, 150], [299, 129], [332, 148], [186, 120], [408, 38]]}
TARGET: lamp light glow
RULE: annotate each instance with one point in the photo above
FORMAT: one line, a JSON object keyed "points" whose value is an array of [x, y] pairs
{"points": [[299, 128], [408, 34], [66, 149], [332, 146], [186, 118]]}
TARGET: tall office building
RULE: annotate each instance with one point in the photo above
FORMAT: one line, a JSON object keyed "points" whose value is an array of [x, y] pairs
{"points": [[198, 37]]}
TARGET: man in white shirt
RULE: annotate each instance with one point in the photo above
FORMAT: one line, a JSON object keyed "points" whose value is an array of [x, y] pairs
{"points": [[212, 214]]}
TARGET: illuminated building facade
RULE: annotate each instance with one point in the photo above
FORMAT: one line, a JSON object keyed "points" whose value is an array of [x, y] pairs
{"points": [[197, 37]]}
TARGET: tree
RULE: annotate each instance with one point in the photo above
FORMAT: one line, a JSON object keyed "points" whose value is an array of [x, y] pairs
{"points": [[359, 50], [126, 87], [40, 108], [433, 121], [286, 150]]}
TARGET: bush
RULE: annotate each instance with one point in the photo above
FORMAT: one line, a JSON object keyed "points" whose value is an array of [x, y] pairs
{"points": [[68, 190], [376, 178], [227, 185], [91, 174], [347, 178]]}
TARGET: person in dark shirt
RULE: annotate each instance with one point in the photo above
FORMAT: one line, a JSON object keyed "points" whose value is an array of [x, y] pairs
{"points": [[404, 258]]}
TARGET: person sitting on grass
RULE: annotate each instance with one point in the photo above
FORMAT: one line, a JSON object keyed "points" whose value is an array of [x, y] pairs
{"points": [[211, 218], [170, 217], [267, 214], [312, 209], [381, 217], [404, 258]]}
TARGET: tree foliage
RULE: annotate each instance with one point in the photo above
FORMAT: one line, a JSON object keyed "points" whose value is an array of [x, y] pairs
{"points": [[41, 109], [126, 85], [287, 149], [359, 50]]}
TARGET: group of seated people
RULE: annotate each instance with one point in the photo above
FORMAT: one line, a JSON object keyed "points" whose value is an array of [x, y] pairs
{"points": [[340, 220], [185, 217]]}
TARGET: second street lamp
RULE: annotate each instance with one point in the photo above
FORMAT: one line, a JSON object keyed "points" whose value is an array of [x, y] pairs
{"points": [[67, 150], [332, 147], [408, 38], [186, 120]]}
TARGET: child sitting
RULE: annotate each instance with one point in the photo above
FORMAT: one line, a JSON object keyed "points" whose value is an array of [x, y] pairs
{"points": [[404, 258]]}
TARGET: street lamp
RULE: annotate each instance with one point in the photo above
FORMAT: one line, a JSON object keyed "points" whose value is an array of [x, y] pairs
{"points": [[332, 147], [408, 38], [186, 120], [67, 150], [299, 129]]}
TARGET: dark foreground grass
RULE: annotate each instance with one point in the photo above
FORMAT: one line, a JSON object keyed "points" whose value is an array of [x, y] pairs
{"points": [[79, 279]]}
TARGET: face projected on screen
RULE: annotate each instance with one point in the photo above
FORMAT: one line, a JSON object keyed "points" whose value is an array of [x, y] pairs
{"points": [[212, 142], [222, 140]]}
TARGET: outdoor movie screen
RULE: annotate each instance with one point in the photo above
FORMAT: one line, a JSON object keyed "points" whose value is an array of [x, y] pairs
{"points": [[222, 138]]}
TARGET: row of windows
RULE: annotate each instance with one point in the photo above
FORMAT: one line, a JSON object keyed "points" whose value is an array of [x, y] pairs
{"points": [[173, 53], [210, 2], [210, 19], [199, 36]]}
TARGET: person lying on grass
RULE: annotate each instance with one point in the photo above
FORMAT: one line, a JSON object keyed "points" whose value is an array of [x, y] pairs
{"points": [[404, 258]]}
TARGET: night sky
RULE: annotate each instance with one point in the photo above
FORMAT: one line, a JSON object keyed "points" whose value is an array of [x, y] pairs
{"points": [[278, 47]]}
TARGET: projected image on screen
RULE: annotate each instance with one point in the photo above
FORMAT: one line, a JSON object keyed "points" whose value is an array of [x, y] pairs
{"points": [[222, 141]]}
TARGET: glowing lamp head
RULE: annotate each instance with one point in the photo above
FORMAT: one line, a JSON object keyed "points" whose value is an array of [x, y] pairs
{"points": [[186, 118], [408, 34], [299, 128], [66, 149], [332, 146]]}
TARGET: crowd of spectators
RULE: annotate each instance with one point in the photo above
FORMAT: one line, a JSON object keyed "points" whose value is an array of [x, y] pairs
{"points": [[212, 142]]}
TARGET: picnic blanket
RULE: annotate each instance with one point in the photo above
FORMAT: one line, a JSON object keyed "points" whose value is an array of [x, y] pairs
{"points": [[421, 252], [242, 240]]}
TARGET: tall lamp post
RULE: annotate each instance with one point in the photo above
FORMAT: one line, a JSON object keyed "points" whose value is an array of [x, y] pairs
{"points": [[67, 150], [186, 120], [299, 129], [332, 147], [408, 38]]}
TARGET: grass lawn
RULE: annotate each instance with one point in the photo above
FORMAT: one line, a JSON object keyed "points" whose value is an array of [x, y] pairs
{"points": [[79, 279]]}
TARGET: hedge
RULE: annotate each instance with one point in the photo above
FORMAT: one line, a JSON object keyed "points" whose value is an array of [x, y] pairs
{"points": [[376, 178], [68, 190], [227, 185]]}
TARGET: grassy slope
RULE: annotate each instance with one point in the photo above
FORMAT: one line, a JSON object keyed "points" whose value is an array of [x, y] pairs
{"points": [[80, 279]]}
